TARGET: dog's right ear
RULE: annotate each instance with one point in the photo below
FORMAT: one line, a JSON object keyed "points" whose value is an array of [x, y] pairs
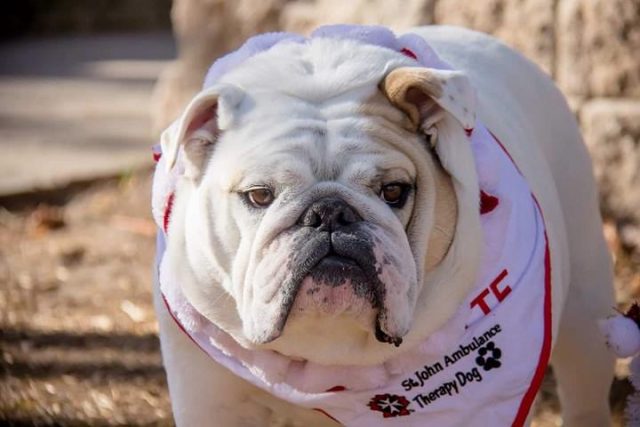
{"points": [[209, 113], [426, 95], [441, 104]]}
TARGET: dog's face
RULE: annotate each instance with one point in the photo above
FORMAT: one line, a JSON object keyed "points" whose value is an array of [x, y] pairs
{"points": [[312, 207]]}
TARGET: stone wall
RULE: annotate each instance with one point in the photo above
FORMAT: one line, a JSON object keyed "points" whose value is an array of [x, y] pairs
{"points": [[590, 47]]}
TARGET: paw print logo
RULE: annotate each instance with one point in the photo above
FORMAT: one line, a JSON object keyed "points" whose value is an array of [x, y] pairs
{"points": [[489, 357], [391, 405]]}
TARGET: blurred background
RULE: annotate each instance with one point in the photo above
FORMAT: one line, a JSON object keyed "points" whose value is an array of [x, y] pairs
{"points": [[85, 89]]}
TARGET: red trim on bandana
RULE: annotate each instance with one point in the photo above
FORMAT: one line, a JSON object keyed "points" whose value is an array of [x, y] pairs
{"points": [[508, 155], [545, 351], [487, 202], [408, 52], [167, 212], [175, 319], [156, 157], [336, 389], [325, 413]]}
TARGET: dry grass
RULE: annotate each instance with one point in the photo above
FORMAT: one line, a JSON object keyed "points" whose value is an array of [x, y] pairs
{"points": [[78, 339]]}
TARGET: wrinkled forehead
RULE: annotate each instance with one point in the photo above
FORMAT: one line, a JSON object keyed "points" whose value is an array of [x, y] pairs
{"points": [[281, 134], [315, 107]]}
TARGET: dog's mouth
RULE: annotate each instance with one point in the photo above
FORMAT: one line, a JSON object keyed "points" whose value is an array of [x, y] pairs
{"points": [[334, 270], [333, 260], [336, 265], [338, 262]]}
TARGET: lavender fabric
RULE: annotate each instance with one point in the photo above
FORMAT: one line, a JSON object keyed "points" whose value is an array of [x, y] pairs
{"points": [[367, 34]]}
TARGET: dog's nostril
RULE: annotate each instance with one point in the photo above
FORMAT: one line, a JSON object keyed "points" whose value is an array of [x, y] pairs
{"points": [[313, 220], [310, 218]]}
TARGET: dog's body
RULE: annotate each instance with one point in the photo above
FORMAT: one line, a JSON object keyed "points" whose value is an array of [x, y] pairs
{"points": [[525, 111]]}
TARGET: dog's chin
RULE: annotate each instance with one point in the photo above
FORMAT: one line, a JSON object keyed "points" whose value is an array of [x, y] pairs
{"points": [[335, 315], [336, 286], [348, 288]]}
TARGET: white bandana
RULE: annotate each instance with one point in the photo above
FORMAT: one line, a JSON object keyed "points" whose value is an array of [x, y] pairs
{"points": [[483, 368]]}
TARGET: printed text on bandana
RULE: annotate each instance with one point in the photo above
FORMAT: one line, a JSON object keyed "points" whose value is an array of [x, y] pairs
{"points": [[421, 376], [461, 378], [481, 348]]}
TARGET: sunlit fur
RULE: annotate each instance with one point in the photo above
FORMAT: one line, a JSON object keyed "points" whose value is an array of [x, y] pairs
{"points": [[299, 117]]}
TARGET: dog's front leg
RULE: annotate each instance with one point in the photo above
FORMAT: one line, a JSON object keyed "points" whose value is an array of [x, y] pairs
{"points": [[203, 393]]}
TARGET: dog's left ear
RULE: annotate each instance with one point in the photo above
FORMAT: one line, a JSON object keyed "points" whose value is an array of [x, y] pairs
{"points": [[208, 114], [426, 95], [440, 103]]}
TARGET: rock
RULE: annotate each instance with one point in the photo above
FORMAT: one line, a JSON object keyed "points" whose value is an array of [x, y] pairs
{"points": [[612, 237], [302, 17], [46, 218], [72, 256], [630, 235], [612, 133], [575, 104], [598, 44], [527, 25], [204, 30]]}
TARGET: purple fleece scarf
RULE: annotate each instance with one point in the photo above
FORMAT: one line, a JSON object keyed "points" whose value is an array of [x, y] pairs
{"points": [[410, 45]]}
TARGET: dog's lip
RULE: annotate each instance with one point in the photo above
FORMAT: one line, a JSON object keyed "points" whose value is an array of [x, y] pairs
{"points": [[334, 259], [331, 255], [335, 266], [344, 256], [337, 254]]}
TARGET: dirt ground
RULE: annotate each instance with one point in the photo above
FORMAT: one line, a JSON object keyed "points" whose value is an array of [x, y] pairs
{"points": [[78, 339]]}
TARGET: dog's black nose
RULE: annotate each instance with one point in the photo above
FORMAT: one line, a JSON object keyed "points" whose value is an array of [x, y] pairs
{"points": [[329, 214]]}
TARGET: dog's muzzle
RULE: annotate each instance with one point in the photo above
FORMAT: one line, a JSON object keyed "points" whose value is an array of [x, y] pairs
{"points": [[338, 248]]}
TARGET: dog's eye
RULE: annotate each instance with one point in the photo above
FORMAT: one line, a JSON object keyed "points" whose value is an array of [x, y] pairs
{"points": [[260, 197], [395, 194]]}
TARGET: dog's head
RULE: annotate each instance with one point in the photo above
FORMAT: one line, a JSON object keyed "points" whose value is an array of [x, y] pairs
{"points": [[318, 203]]}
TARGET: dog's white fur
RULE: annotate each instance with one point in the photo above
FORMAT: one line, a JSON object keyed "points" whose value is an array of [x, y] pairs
{"points": [[230, 249]]}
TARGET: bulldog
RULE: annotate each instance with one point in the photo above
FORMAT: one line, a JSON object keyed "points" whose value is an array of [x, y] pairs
{"points": [[365, 229]]}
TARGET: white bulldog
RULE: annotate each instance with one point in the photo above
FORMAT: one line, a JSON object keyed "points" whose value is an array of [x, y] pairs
{"points": [[343, 236]]}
